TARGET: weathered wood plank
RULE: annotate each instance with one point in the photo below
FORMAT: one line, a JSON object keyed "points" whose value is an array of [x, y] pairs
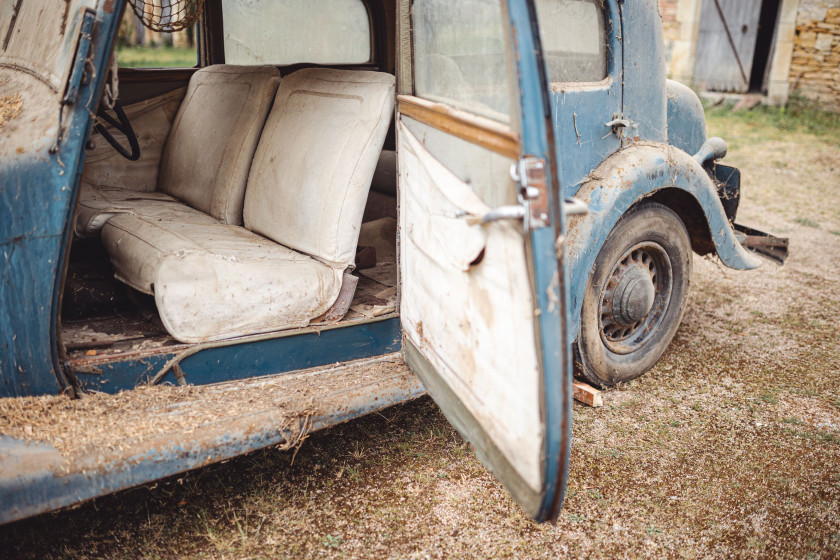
{"points": [[717, 66]]}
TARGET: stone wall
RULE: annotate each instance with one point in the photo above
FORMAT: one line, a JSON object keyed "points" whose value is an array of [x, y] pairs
{"points": [[668, 9], [815, 66]]}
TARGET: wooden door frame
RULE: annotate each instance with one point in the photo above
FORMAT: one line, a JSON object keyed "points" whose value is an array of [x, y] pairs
{"points": [[684, 47]]}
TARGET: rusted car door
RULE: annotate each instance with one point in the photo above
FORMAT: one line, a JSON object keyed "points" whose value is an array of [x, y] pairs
{"points": [[483, 288], [48, 92]]}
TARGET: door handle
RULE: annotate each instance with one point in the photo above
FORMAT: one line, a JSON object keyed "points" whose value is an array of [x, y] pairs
{"points": [[571, 207], [512, 212], [575, 207], [617, 126], [618, 123]]}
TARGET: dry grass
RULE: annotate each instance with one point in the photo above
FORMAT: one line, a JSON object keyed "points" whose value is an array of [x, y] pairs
{"points": [[127, 420], [729, 447], [10, 107]]}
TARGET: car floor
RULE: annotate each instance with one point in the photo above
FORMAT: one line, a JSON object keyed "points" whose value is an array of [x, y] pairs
{"points": [[104, 320]]}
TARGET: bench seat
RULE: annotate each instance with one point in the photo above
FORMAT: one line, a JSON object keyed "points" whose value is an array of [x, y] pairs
{"points": [[211, 280], [97, 204], [303, 207], [207, 155]]}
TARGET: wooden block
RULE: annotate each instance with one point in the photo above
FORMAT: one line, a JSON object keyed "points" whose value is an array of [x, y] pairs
{"points": [[587, 394]]}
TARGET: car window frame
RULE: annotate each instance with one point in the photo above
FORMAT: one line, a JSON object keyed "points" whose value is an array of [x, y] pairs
{"points": [[613, 54], [210, 37]]}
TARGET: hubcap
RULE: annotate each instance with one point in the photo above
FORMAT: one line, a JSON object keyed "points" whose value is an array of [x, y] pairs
{"points": [[634, 298]]}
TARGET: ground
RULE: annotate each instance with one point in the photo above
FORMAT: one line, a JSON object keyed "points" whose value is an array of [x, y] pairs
{"points": [[729, 447]]}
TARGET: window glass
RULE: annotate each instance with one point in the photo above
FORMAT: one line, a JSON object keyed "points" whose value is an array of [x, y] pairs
{"points": [[139, 47], [290, 31], [460, 55], [574, 39]]}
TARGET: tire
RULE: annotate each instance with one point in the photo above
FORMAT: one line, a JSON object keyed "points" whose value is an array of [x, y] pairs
{"points": [[636, 295]]}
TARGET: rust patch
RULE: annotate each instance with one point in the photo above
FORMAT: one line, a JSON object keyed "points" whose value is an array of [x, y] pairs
{"points": [[10, 107]]}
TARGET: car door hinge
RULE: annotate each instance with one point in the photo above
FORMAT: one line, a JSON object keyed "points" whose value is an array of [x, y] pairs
{"points": [[78, 73]]}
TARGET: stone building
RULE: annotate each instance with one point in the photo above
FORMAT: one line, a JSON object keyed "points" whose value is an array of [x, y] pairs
{"points": [[773, 47]]}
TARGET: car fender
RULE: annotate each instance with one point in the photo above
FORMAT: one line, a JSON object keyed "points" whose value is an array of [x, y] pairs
{"points": [[645, 170]]}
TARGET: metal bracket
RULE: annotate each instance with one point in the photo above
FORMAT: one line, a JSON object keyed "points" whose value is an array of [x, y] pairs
{"points": [[529, 172]]}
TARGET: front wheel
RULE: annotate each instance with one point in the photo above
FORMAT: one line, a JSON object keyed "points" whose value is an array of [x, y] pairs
{"points": [[636, 295]]}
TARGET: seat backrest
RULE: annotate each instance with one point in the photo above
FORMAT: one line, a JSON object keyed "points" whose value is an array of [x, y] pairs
{"points": [[211, 144], [313, 167]]}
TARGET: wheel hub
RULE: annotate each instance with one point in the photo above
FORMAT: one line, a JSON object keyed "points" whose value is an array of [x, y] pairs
{"points": [[633, 297]]}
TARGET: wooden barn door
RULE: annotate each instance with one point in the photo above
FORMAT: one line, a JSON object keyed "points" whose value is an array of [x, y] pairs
{"points": [[726, 44]]}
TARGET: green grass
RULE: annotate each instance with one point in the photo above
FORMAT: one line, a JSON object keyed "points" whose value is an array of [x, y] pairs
{"points": [[799, 115], [156, 57], [808, 222]]}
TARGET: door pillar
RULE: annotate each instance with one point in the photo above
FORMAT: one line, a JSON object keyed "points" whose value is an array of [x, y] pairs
{"points": [[778, 85]]}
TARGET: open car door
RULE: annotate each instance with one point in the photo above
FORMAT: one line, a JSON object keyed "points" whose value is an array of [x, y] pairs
{"points": [[483, 298]]}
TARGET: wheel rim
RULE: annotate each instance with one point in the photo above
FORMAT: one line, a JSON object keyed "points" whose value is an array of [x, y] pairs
{"points": [[635, 297]]}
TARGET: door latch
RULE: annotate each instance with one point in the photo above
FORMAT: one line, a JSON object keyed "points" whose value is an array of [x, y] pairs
{"points": [[529, 174], [615, 124], [619, 125]]}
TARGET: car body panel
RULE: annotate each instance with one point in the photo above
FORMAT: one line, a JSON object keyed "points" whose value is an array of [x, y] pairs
{"points": [[254, 357], [580, 111], [630, 176]]}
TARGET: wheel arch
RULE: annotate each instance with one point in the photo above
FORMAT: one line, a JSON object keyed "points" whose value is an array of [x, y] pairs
{"points": [[646, 171], [690, 212]]}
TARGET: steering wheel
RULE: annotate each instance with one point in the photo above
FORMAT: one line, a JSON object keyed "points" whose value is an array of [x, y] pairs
{"points": [[121, 124]]}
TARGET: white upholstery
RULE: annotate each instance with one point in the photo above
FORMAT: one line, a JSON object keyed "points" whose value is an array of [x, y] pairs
{"points": [[214, 281], [97, 204], [306, 191], [207, 155], [313, 167], [212, 141], [136, 243]]}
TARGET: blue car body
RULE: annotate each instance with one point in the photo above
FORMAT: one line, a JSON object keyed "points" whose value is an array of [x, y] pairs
{"points": [[651, 157]]}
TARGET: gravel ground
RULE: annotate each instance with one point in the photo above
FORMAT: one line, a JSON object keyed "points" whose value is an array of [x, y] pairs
{"points": [[729, 447]]}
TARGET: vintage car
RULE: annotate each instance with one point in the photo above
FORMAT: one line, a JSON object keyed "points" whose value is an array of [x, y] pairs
{"points": [[491, 191]]}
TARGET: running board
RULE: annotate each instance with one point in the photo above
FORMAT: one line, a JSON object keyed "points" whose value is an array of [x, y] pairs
{"points": [[763, 244], [58, 453]]}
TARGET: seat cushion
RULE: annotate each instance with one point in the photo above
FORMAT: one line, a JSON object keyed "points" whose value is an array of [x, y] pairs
{"points": [[213, 281], [136, 243], [211, 144], [315, 161], [97, 204]]}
